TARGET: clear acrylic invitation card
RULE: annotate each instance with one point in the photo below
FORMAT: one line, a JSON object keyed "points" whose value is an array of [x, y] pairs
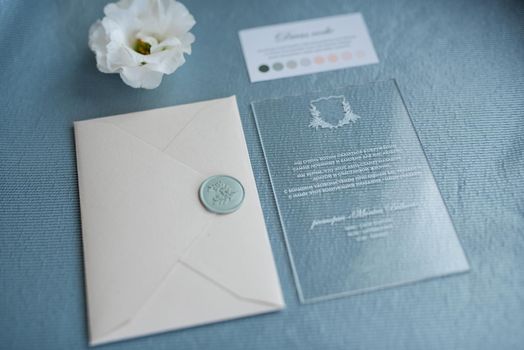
{"points": [[356, 197]]}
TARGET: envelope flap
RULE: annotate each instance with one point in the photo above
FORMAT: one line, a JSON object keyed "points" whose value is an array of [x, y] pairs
{"points": [[158, 127], [235, 253], [211, 142], [140, 212]]}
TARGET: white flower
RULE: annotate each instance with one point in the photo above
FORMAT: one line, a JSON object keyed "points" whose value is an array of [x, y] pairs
{"points": [[142, 40]]}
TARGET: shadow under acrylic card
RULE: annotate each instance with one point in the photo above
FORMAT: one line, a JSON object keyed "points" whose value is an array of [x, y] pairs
{"points": [[356, 197]]}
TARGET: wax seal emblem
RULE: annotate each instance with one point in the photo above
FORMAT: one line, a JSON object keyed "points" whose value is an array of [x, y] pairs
{"points": [[221, 194]]}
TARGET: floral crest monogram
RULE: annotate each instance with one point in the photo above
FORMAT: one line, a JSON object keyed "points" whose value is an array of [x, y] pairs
{"points": [[318, 121]]}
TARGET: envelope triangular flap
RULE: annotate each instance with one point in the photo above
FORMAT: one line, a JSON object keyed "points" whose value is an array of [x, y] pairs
{"points": [[236, 251], [185, 299], [236, 255], [132, 204], [158, 127], [213, 142]]}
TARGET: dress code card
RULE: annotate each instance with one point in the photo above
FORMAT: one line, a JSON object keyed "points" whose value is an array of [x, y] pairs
{"points": [[356, 197], [305, 47]]}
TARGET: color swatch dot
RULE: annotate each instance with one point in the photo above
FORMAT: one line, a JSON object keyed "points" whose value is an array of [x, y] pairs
{"points": [[263, 68], [319, 60], [305, 62], [291, 64], [332, 58], [278, 66], [346, 55]]}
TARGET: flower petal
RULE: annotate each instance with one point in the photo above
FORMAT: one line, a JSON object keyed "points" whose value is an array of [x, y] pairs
{"points": [[181, 20], [98, 44], [141, 77], [165, 61]]}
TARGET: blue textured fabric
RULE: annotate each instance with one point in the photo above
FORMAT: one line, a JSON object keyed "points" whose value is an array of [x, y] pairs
{"points": [[460, 66]]}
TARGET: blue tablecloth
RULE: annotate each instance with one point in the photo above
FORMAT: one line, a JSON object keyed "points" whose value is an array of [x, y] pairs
{"points": [[460, 67]]}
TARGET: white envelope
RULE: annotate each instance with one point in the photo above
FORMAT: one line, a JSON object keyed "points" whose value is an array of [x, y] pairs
{"points": [[155, 258]]}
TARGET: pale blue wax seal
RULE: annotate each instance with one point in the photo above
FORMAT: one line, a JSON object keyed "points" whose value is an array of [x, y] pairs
{"points": [[221, 194]]}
